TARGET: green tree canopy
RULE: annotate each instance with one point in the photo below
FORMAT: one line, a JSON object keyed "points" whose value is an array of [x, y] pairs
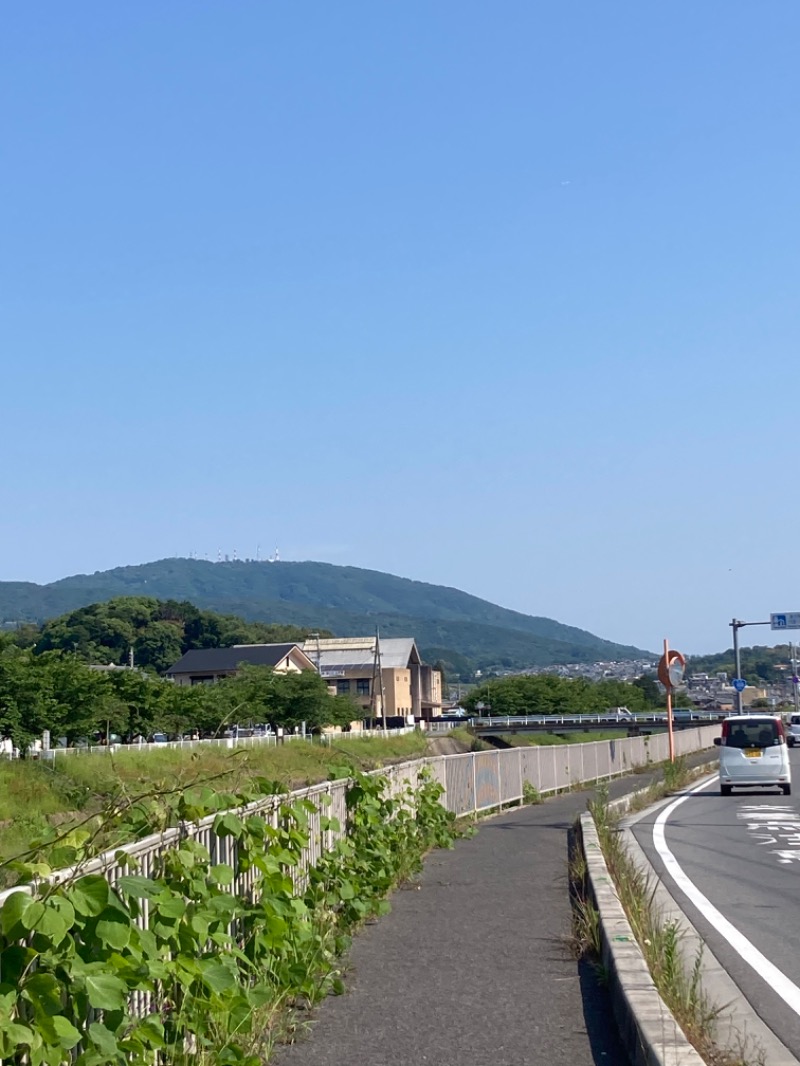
{"points": [[158, 632], [548, 694]]}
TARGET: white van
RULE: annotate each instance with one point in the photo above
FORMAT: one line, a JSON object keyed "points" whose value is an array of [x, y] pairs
{"points": [[753, 753]]}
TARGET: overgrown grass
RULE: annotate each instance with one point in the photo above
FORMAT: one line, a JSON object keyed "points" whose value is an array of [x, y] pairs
{"points": [[676, 776], [35, 795], [679, 985], [465, 736], [525, 740]]}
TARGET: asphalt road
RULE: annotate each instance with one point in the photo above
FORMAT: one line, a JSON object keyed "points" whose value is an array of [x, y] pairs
{"points": [[472, 967], [741, 856]]}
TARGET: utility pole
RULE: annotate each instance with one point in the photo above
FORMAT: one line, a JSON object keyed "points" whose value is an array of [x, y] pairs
{"points": [[377, 680], [319, 652]]}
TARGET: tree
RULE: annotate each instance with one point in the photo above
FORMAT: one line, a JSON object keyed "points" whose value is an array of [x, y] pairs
{"points": [[159, 645], [25, 698], [159, 632], [81, 700], [649, 689], [141, 704], [548, 694]]}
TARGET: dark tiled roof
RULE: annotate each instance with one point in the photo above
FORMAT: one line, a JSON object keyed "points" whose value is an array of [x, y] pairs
{"points": [[213, 660]]}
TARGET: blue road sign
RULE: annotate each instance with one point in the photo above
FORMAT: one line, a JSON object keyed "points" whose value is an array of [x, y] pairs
{"points": [[739, 684]]}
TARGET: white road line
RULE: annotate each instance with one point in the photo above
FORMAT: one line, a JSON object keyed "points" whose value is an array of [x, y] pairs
{"points": [[779, 982]]}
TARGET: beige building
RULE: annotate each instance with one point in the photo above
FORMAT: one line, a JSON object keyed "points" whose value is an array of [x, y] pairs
{"points": [[379, 674], [750, 694]]}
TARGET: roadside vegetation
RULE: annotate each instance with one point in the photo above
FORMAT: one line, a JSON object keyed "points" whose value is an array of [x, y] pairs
{"points": [[232, 954], [528, 740], [40, 800], [55, 691], [548, 694]]}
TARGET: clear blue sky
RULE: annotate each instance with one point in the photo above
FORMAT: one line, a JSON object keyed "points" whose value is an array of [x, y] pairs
{"points": [[499, 296]]}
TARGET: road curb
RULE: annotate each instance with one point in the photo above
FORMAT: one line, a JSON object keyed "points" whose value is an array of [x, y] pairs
{"points": [[648, 1028]]}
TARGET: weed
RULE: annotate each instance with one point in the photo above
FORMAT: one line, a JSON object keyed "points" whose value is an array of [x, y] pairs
{"points": [[76, 787], [586, 929], [675, 774], [523, 740], [531, 794]]}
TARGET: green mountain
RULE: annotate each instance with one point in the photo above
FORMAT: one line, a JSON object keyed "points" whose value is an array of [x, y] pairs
{"points": [[448, 624]]}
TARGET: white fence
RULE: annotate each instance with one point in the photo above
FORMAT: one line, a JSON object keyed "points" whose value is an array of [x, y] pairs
{"points": [[166, 745], [473, 783], [266, 740]]}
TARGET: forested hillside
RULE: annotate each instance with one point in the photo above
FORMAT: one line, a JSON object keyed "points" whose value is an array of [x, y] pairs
{"points": [[462, 630]]}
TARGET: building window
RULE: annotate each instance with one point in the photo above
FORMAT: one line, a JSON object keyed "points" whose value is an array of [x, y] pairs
{"points": [[362, 686], [343, 687]]}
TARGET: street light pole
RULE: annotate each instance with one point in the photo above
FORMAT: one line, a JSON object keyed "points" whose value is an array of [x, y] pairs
{"points": [[736, 625], [738, 664]]}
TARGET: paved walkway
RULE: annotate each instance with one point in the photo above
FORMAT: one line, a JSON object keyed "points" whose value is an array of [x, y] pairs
{"points": [[471, 967]]}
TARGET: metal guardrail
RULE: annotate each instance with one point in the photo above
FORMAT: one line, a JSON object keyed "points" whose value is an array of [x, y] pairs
{"points": [[511, 722], [473, 783], [588, 719]]}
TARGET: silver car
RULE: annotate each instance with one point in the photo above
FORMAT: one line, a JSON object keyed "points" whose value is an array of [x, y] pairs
{"points": [[793, 730]]}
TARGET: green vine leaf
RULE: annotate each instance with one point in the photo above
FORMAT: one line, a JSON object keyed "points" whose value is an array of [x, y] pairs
{"points": [[105, 1042], [44, 993], [222, 874], [170, 906], [59, 1031], [13, 1035], [138, 887], [114, 929], [106, 992], [90, 895], [12, 913], [216, 976]]}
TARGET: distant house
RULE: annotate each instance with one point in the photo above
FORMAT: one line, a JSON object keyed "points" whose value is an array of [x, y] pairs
{"points": [[379, 674], [203, 666]]}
